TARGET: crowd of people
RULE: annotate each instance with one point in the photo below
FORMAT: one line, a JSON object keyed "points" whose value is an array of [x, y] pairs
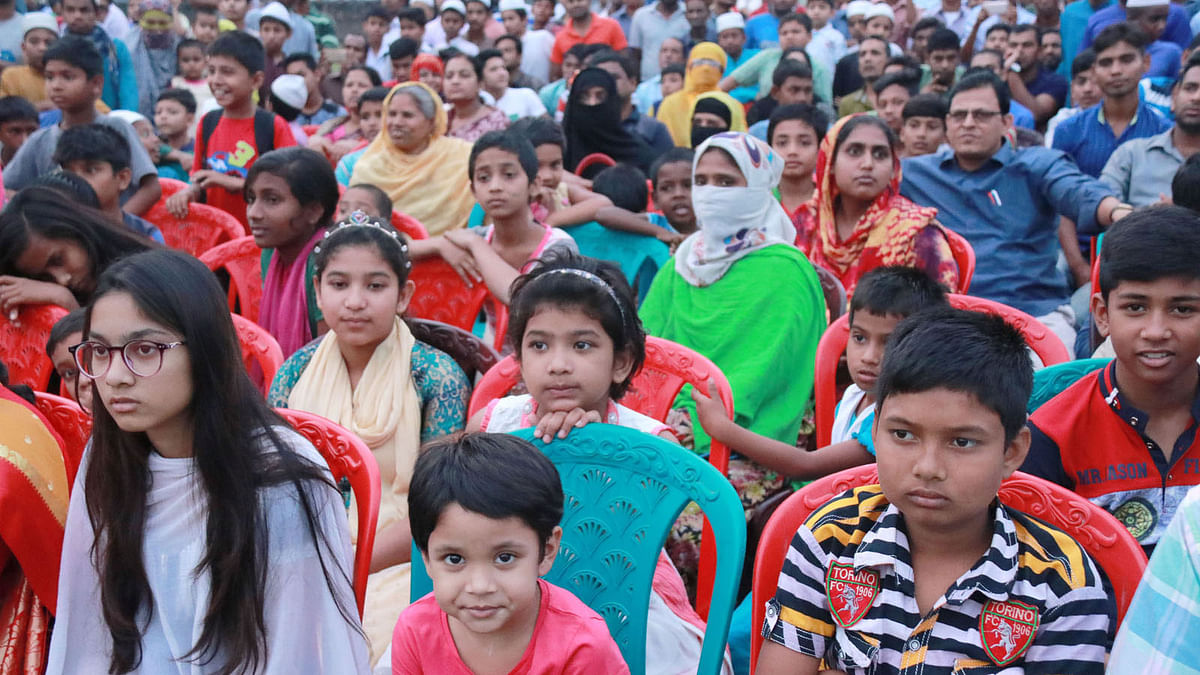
{"points": [[716, 174]]}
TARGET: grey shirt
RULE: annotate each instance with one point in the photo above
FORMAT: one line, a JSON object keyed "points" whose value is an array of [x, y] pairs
{"points": [[35, 157], [649, 29], [1141, 169]]}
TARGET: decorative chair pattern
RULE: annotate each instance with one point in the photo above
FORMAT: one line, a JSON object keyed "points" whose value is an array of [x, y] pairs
{"points": [[258, 348], [623, 490], [23, 344], [834, 292], [73, 424], [471, 354], [964, 256], [350, 460], [1040, 339], [1052, 380], [205, 227], [242, 260], [668, 367], [1101, 535], [442, 295]]}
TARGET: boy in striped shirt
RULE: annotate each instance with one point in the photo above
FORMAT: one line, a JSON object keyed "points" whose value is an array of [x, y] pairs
{"points": [[927, 572]]}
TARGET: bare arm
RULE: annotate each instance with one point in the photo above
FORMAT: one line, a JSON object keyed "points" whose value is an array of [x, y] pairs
{"points": [[584, 205], [1043, 106], [496, 273], [149, 191], [728, 84], [393, 546], [617, 218]]}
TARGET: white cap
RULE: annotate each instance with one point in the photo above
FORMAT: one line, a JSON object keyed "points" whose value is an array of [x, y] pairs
{"points": [[857, 7], [291, 89], [881, 9], [34, 20], [278, 12], [454, 5], [129, 116], [729, 21], [520, 5], [1134, 4]]}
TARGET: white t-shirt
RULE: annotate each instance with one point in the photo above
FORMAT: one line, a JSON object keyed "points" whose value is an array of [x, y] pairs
{"points": [[536, 46], [518, 102]]}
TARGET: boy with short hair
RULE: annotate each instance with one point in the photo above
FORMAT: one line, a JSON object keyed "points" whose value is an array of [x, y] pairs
{"points": [[402, 52], [369, 199], [190, 58], [941, 61], [235, 12], [29, 80], [18, 120], [231, 139], [1125, 436], [174, 116], [484, 511], [100, 155], [927, 569], [671, 180], [66, 332], [893, 91], [795, 132], [828, 42], [75, 77], [374, 27], [206, 25], [316, 109], [370, 115], [924, 127], [274, 29], [791, 83]]}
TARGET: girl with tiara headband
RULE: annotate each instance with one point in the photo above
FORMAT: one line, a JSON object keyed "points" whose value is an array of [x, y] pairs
{"points": [[371, 376], [574, 329]]}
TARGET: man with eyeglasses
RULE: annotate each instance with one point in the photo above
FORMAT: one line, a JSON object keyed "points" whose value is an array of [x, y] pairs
{"points": [[1007, 202]]}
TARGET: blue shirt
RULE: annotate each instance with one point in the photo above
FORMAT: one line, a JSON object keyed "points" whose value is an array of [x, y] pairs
{"points": [[1008, 210], [1088, 138], [1177, 30], [1165, 59], [1049, 82], [762, 31], [1072, 23], [1022, 116], [748, 93], [650, 130]]}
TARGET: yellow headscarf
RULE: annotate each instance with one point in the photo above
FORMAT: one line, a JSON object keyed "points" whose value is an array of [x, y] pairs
{"points": [[432, 186], [676, 109]]}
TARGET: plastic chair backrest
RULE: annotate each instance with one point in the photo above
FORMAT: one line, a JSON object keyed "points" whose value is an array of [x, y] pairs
{"points": [[258, 347], [442, 295], [205, 227], [471, 354], [169, 187], [1040, 339], [1102, 536], [242, 260], [834, 292], [964, 256], [409, 226], [1052, 380], [23, 344], [349, 458], [623, 489], [593, 159], [72, 423]]}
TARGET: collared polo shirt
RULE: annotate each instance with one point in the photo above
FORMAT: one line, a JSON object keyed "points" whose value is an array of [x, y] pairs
{"points": [[1142, 169], [1033, 601], [649, 28], [1008, 209], [603, 31], [1091, 440], [1088, 137]]}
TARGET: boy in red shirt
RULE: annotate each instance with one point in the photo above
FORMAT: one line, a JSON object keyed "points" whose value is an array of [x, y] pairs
{"points": [[587, 27], [230, 140], [484, 511]]}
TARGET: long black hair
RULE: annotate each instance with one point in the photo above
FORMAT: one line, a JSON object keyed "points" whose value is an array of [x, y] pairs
{"points": [[237, 452], [48, 212]]}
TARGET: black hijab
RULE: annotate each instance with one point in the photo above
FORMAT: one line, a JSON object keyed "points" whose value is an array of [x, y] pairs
{"points": [[597, 128]]}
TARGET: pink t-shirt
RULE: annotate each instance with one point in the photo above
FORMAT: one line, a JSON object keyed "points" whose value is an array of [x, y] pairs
{"points": [[568, 638]]}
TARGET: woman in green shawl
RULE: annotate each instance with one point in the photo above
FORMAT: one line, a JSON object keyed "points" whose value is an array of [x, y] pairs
{"points": [[742, 295]]}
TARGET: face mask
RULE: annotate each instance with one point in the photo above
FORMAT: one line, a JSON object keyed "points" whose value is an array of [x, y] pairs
{"points": [[701, 134], [704, 77], [157, 40]]}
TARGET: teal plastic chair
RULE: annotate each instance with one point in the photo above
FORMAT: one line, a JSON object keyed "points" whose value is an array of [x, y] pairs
{"points": [[639, 256], [1052, 380], [624, 489]]}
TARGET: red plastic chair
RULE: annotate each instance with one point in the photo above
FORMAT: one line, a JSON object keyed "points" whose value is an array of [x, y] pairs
{"points": [[72, 423], [258, 348], [1101, 535], [242, 260], [409, 226], [205, 227], [964, 256], [441, 295], [833, 345], [668, 367], [592, 160], [348, 458], [23, 344], [169, 187]]}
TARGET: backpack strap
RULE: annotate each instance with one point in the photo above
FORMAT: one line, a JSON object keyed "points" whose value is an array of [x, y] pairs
{"points": [[264, 132], [208, 124]]}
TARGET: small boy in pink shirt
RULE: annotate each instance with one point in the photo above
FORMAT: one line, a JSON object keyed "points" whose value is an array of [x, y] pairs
{"points": [[484, 511]]}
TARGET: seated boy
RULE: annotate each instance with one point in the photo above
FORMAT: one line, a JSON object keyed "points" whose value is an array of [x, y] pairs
{"points": [[175, 116], [927, 570], [484, 511], [366, 198], [66, 332], [29, 81], [791, 82], [75, 76], [1125, 436], [795, 132], [370, 115], [18, 121], [231, 139], [924, 127], [671, 180], [100, 155]]}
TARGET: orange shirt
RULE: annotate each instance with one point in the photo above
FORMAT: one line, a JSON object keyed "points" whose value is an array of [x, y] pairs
{"points": [[603, 31]]}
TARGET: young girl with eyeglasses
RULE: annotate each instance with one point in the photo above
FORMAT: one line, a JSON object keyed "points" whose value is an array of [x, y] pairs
{"points": [[203, 535]]}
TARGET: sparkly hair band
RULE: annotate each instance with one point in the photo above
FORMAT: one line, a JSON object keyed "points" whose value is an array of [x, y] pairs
{"points": [[592, 278], [361, 219]]}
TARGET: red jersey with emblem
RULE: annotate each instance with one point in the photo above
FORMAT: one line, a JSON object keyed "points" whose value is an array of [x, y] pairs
{"points": [[1090, 440], [231, 150]]}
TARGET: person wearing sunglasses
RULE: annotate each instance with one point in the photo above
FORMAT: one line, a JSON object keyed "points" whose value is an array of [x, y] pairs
{"points": [[1007, 201], [203, 533]]}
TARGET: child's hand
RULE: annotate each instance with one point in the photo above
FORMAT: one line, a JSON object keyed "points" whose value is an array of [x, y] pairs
{"points": [[207, 178], [460, 259], [17, 291], [710, 412], [177, 204], [561, 423], [670, 238]]}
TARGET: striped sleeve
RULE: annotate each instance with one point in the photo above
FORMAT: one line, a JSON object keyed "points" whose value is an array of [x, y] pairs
{"points": [[803, 622]]}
